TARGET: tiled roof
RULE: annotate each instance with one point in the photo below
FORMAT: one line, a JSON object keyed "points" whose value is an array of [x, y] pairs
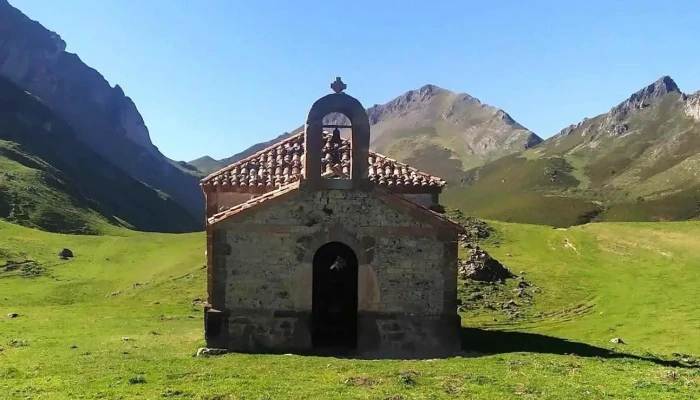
{"points": [[281, 164]]}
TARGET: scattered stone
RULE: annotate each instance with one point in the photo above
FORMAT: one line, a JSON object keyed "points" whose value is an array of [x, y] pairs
{"points": [[74, 346], [65, 254], [191, 317], [117, 293], [206, 352], [523, 284], [25, 268], [480, 266], [515, 315], [137, 380], [617, 340], [17, 343], [477, 297], [126, 339], [12, 315], [475, 228]]}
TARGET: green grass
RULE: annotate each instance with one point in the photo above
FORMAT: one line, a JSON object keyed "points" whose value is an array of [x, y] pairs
{"points": [[632, 280]]}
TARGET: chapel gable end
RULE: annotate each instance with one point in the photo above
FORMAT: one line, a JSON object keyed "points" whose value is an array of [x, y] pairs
{"points": [[331, 207]]}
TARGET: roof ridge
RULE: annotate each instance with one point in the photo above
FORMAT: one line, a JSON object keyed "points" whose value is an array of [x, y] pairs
{"points": [[250, 157], [296, 136]]}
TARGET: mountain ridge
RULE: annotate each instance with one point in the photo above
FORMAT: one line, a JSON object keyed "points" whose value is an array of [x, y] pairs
{"points": [[52, 181], [102, 116], [639, 161], [434, 129]]}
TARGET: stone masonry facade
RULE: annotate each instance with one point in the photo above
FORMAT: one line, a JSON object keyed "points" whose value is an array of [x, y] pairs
{"points": [[261, 294]]}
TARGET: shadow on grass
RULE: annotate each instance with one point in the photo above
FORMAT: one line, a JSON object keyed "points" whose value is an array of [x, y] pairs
{"points": [[480, 342], [489, 342]]}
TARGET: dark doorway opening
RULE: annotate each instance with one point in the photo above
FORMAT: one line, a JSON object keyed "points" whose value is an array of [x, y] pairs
{"points": [[334, 297]]}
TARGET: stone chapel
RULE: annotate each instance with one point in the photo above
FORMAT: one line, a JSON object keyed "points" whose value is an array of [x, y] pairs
{"points": [[317, 243]]}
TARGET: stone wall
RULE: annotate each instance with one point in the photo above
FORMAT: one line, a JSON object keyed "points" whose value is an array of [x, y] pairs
{"points": [[230, 199], [262, 269], [225, 200], [424, 199]]}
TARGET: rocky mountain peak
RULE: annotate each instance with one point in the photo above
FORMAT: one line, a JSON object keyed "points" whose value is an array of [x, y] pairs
{"points": [[659, 88], [429, 89], [614, 123]]}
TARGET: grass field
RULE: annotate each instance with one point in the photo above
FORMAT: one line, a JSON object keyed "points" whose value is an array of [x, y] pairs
{"points": [[123, 319]]}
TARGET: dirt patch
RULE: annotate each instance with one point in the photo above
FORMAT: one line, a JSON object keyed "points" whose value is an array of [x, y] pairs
{"points": [[569, 245]]}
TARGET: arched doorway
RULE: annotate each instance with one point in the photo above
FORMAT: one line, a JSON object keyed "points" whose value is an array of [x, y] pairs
{"points": [[334, 297]]}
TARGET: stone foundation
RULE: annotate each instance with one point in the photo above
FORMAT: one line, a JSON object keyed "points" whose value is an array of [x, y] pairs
{"points": [[380, 335]]}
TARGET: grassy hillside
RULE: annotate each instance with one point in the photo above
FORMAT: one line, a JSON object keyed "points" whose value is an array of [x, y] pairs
{"points": [[124, 317], [52, 181], [638, 162]]}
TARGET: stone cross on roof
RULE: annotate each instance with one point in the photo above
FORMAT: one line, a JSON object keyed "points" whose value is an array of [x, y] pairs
{"points": [[338, 86]]}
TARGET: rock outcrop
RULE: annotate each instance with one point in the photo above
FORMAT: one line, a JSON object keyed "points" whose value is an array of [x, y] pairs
{"points": [[692, 106], [102, 116], [614, 123]]}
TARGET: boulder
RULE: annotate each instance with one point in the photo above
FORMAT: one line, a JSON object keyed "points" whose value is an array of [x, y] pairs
{"points": [[480, 266], [206, 352], [65, 254]]}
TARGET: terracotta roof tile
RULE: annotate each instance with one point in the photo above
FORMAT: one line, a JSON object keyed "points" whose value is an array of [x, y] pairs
{"points": [[281, 164]]}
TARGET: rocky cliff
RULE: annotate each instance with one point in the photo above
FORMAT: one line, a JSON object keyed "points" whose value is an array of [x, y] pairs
{"points": [[101, 115]]}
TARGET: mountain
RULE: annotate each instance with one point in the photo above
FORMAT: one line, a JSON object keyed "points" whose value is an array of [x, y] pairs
{"points": [[435, 130], [52, 181], [102, 116], [640, 161], [205, 165]]}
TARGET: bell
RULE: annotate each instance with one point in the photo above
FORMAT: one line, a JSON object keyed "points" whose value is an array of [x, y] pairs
{"points": [[336, 136], [333, 151]]}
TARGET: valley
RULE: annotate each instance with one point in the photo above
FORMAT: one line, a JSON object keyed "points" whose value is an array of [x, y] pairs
{"points": [[109, 255], [124, 319]]}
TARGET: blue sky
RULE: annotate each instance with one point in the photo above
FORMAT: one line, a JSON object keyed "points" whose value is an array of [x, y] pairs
{"points": [[213, 77]]}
